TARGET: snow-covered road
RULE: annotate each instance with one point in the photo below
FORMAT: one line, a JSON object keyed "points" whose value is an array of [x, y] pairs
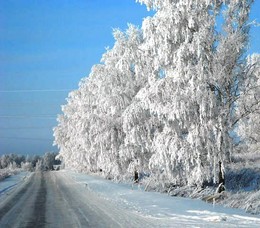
{"points": [[67, 199], [53, 199]]}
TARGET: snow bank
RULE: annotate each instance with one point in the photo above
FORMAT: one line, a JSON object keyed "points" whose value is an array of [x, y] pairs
{"points": [[243, 185], [242, 191], [242, 188], [11, 181], [4, 173]]}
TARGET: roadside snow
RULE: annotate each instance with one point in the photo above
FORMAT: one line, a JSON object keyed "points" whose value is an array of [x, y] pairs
{"points": [[184, 211], [11, 181]]}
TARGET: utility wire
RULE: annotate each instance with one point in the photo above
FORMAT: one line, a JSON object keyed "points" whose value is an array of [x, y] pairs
{"points": [[24, 138], [35, 117], [22, 128], [18, 104], [35, 91]]}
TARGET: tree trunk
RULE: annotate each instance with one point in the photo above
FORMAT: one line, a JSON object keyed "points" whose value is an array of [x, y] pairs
{"points": [[221, 179], [136, 177]]}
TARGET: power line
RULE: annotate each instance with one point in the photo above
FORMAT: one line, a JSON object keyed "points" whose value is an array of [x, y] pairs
{"points": [[25, 128], [35, 91], [34, 117], [18, 104], [24, 138]]}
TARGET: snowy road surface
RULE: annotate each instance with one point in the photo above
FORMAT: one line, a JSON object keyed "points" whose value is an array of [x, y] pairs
{"points": [[61, 199], [51, 200]]}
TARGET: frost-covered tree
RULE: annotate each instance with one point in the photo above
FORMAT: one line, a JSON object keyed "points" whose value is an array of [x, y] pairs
{"points": [[49, 160], [70, 130], [27, 166], [181, 41], [194, 104], [165, 99], [91, 128], [230, 74], [248, 111], [11, 160], [139, 126]]}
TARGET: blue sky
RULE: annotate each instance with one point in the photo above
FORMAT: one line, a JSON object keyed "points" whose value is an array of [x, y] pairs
{"points": [[46, 47]]}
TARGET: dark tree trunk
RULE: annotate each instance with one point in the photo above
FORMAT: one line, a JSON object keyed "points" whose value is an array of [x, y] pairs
{"points": [[221, 179], [136, 177]]}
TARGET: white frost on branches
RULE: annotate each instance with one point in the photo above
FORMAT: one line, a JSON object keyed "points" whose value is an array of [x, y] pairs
{"points": [[168, 97], [249, 107]]}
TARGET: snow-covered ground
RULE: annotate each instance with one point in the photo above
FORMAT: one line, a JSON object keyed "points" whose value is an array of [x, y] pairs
{"points": [[10, 182], [78, 198], [182, 211]]}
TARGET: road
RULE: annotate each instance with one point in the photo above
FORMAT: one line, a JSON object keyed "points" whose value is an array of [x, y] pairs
{"points": [[50, 199], [66, 199]]}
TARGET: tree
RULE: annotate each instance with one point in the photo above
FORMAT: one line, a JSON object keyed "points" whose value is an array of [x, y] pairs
{"points": [[167, 98], [91, 128], [248, 111], [182, 41], [49, 160], [11, 160], [195, 102], [27, 166]]}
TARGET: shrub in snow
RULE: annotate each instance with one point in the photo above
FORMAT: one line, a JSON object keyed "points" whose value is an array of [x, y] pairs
{"points": [[27, 166], [4, 173]]}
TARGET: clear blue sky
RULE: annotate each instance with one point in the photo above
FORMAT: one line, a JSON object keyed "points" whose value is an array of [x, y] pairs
{"points": [[46, 47]]}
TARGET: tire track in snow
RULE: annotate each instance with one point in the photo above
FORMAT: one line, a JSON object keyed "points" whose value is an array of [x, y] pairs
{"points": [[39, 212], [7, 207]]}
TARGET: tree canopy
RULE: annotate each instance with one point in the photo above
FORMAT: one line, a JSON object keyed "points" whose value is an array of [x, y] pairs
{"points": [[169, 99]]}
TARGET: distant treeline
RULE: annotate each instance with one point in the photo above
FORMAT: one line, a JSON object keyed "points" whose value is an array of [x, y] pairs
{"points": [[29, 162]]}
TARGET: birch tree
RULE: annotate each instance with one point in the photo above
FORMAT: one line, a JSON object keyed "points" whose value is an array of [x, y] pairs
{"points": [[181, 40], [166, 98], [93, 113], [248, 111], [203, 72]]}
